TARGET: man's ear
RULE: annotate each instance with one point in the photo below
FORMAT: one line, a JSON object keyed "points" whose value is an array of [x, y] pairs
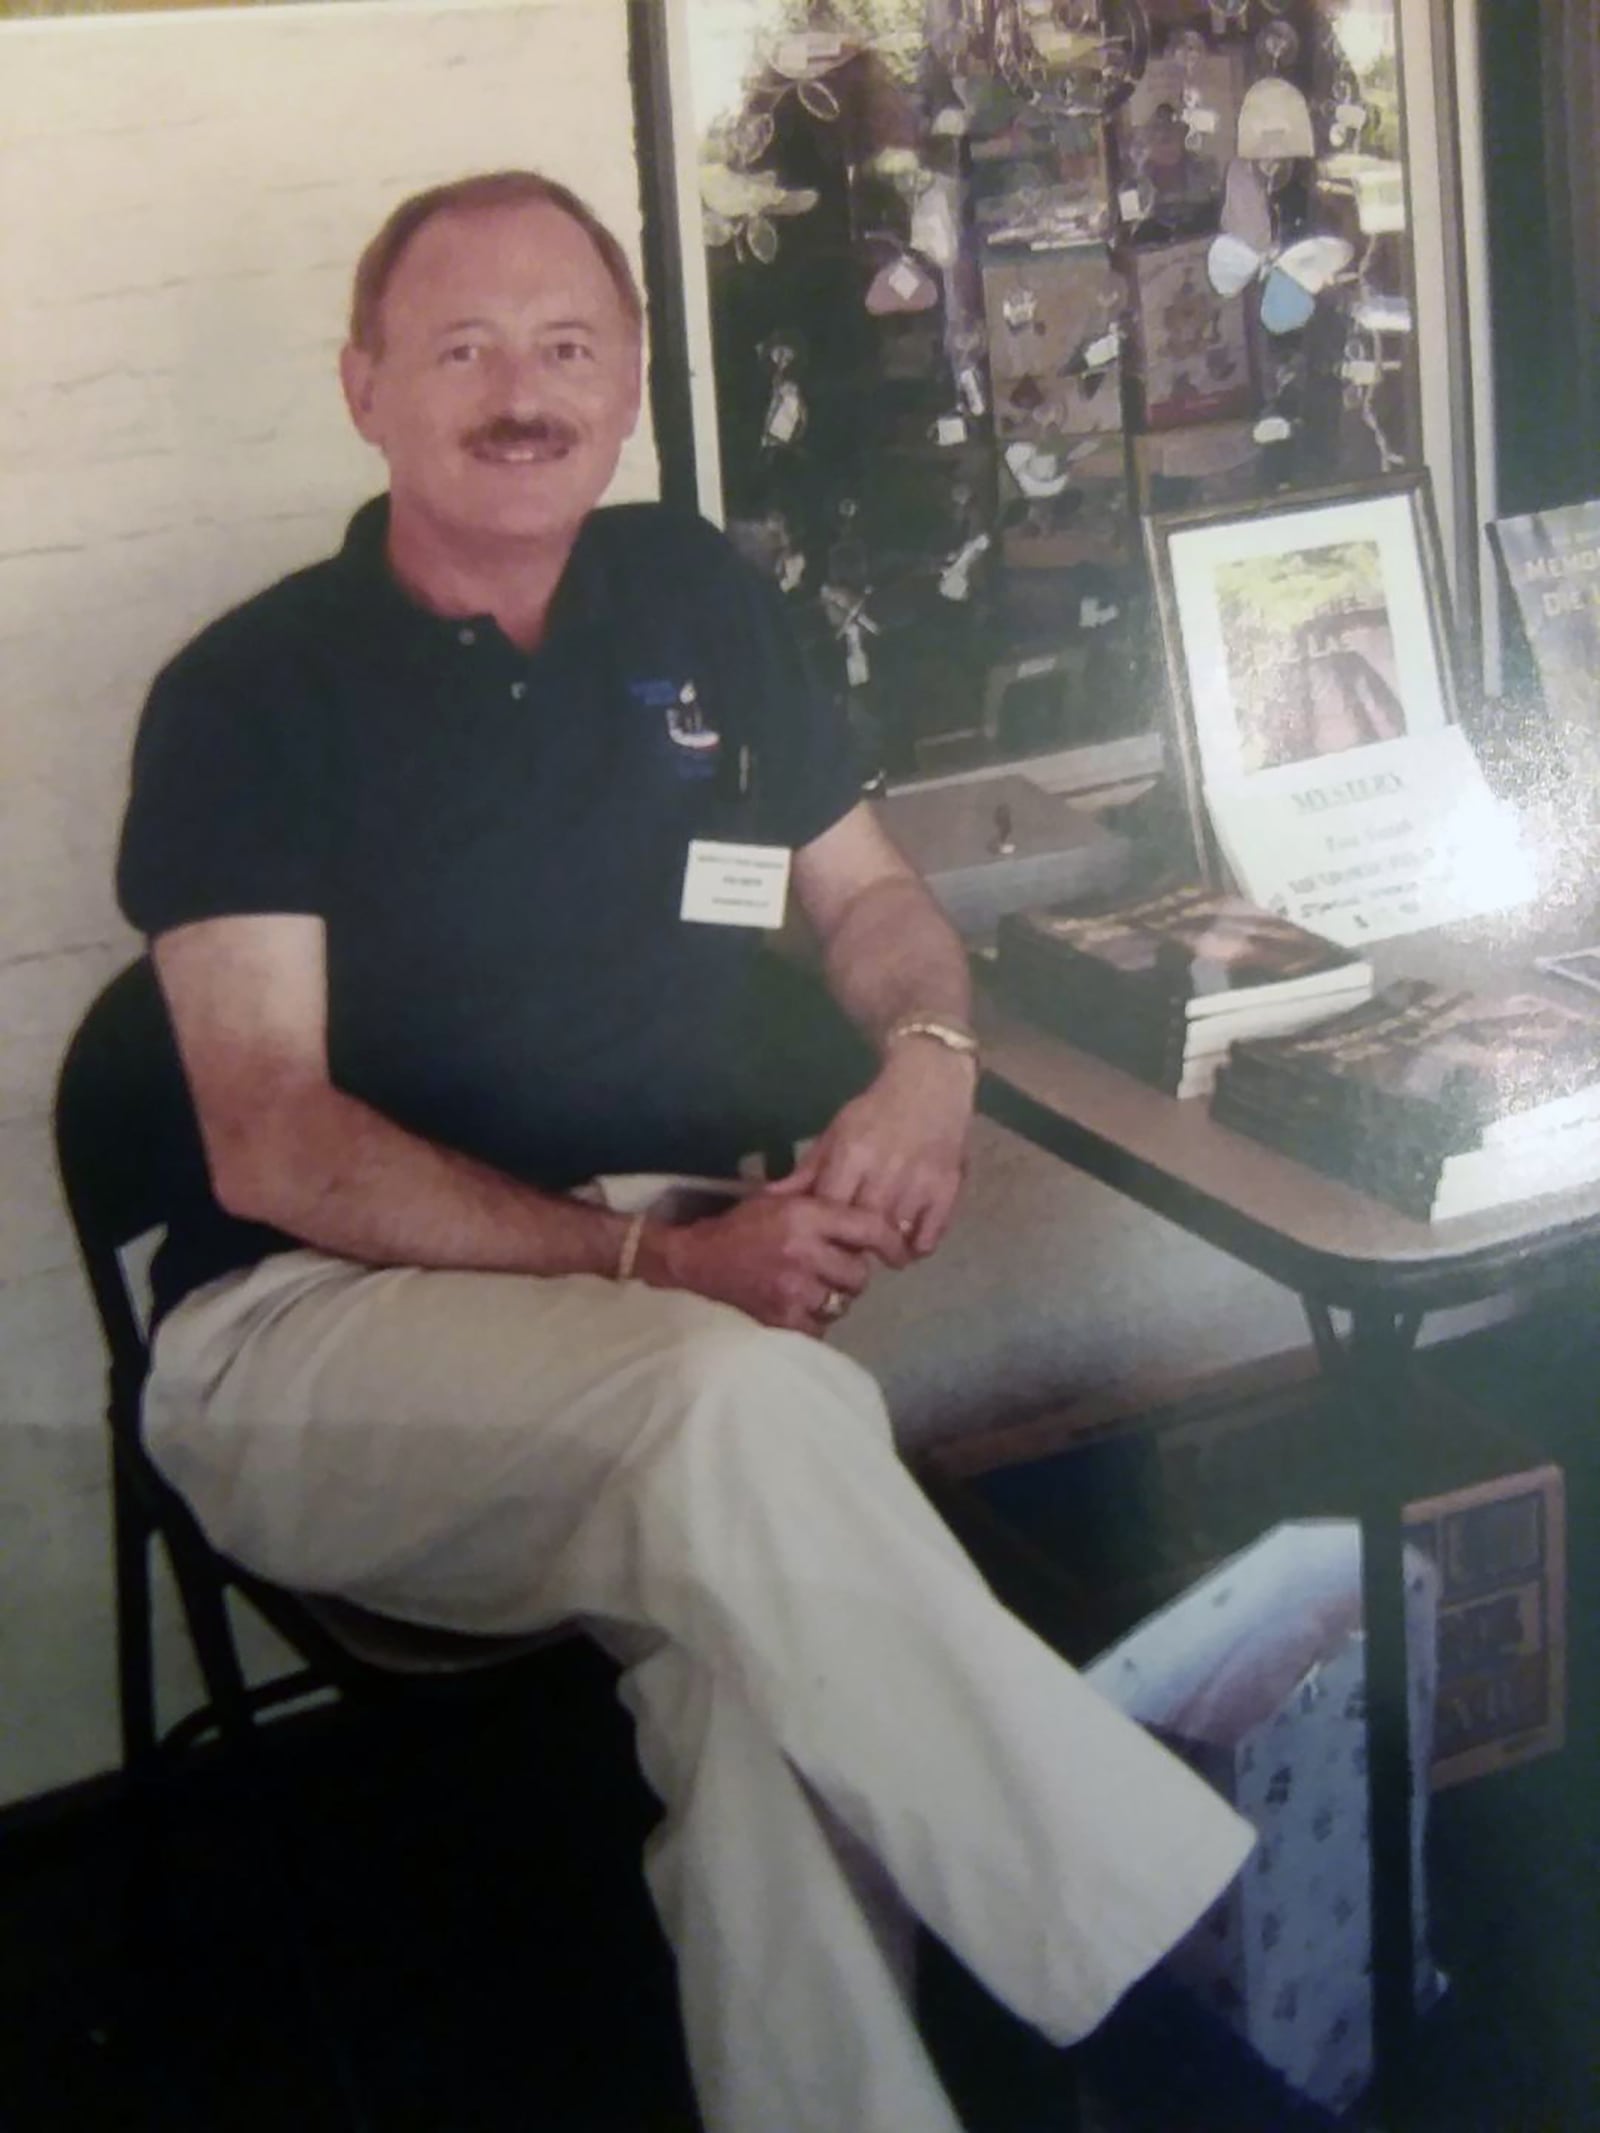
{"points": [[358, 376]]}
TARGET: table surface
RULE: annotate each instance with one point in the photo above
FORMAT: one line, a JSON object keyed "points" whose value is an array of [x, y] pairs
{"points": [[1336, 1247], [1328, 1241]]}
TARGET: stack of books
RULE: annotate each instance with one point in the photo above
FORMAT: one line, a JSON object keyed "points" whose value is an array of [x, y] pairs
{"points": [[1163, 986], [1440, 1102]]}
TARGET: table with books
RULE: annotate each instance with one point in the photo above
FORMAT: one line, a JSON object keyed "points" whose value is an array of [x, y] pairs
{"points": [[1386, 1134]]}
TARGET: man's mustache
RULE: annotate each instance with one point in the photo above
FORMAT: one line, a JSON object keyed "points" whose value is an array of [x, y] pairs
{"points": [[506, 433]]}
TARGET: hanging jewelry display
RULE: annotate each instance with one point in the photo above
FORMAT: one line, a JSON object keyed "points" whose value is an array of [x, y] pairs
{"points": [[785, 422], [989, 277]]}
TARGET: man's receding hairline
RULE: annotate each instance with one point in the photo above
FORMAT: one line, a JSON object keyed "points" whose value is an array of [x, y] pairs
{"points": [[480, 194]]}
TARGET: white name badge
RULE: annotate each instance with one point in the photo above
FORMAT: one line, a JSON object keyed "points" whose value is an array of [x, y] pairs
{"points": [[735, 884]]}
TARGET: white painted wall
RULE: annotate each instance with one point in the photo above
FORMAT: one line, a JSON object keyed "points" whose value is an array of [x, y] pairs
{"points": [[182, 197]]}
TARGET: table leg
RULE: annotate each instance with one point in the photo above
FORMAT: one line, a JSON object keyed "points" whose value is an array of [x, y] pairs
{"points": [[1370, 1370]]}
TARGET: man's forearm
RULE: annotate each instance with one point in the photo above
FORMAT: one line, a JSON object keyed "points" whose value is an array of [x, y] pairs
{"points": [[333, 1172], [892, 954]]}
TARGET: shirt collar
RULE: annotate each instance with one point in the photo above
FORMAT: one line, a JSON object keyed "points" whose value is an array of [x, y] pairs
{"points": [[582, 598]]}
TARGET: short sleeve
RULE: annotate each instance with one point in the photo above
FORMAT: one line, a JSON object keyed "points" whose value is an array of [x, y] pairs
{"points": [[225, 811], [808, 775]]}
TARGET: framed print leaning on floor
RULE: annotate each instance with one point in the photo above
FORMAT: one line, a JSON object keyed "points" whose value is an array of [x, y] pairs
{"points": [[1313, 704]]}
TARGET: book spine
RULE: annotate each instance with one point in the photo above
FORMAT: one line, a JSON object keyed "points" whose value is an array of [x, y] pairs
{"points": [[1405, 1179], [1153, 1053]]}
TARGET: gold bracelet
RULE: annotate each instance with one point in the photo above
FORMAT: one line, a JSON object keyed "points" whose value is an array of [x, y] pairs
{"points": [[632, 1237], [941, 1029]]}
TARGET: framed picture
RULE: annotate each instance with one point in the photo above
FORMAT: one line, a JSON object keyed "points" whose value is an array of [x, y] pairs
{"points": [[1194, 344], [1296, 632]]}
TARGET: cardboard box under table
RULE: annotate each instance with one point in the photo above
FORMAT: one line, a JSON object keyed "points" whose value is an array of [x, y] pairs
{"points": [[1142, 1505], [1480, 1504], [1500, 1548], [1256, 1678]]}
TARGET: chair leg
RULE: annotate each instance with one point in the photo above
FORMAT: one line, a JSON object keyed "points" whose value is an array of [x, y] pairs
{"points": [[136, 1694], [205, 1608], [143, 1899], [270, 1869]]}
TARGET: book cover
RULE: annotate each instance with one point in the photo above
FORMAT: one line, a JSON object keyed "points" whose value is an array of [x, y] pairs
{"points": [[1408, 837], [1440, 1066], [1401, 1173], [1422, 1181], [1551, 562], [1202, 951], [1162, 986], [1143, 1042]]}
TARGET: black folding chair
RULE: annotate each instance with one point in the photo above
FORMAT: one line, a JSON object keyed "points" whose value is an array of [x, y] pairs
{"points": [[125, 1137], [126, 1141]]}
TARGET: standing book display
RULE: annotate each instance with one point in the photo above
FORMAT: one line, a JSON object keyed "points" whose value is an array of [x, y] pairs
{"points": [[1311, 681]]}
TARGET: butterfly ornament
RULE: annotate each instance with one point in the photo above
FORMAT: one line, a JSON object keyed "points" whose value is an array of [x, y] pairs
{"points": [[1044, 472], [1048, 498], [741, 204], [1292, 276], [743, 208], [794, 64], [1074, 58]]}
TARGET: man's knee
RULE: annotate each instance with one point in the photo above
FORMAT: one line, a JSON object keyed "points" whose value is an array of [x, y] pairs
{"points": [[737, 1379]]}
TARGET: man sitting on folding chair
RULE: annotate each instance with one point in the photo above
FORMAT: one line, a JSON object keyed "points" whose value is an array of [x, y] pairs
{"points": [[455, 851]]}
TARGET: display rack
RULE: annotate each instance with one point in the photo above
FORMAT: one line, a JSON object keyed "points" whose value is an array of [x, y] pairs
{"points": [[974, 284]]}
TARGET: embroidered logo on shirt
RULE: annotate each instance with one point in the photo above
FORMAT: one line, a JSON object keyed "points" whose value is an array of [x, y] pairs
{"points": [[695, 740]]}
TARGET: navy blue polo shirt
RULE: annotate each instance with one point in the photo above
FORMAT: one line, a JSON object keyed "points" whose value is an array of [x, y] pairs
{"points": [[496, 842]]}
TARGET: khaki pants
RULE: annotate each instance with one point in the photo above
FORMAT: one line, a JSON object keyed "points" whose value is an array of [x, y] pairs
{"points": [[842, 1724]]}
